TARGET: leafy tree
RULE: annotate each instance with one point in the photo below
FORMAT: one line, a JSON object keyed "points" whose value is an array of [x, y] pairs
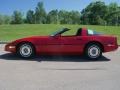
{"points": [[1, 19], [72, 17], [94, 11], [113, 15], [17, 18], [30, 17], [52, 17], [4, 19], [40, 14], [7, 19], [63, 16], [75, 17]]}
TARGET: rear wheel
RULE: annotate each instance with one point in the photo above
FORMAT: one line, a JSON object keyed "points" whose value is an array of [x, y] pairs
{"points": [[93, 51], [26, 50]]}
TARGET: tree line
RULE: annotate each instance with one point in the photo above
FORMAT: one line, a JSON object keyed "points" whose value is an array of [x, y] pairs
{"points": [[96, 13]]}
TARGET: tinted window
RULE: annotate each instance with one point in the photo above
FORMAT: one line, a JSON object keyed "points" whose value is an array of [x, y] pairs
{"points": [[91, 32]]}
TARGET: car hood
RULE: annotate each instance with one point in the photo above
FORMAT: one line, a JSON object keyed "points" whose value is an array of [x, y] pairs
{"points": [[34, 38], [30, 39]]}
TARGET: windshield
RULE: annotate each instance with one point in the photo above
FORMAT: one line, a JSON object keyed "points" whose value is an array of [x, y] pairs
{"points": [[91, 32], [59, 31]]}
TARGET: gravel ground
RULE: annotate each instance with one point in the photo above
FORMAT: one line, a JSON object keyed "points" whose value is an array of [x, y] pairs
{"points": [[59, 73]]}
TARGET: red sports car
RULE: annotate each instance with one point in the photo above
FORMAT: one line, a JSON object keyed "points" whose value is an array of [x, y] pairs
{"points": [[85, 41]]}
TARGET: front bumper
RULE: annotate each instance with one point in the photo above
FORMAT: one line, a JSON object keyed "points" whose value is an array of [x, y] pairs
{"points": [[10, 48]]}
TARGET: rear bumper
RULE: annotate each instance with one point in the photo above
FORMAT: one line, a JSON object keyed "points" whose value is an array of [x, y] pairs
{"points": [[110, 47], [10, 48]]}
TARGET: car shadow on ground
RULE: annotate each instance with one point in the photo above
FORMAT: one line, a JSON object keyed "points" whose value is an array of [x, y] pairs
{"points": [[10, 56]]}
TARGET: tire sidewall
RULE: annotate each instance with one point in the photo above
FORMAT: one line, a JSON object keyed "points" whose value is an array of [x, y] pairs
{"points": [[97, 46], [21, 46]]}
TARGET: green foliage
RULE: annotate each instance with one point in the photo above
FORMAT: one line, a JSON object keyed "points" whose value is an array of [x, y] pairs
{"points": [[30, 17], [7, 19], [75, 16], [17, 18], [96, 13], [64, 17], [114, 14], [4, 19], [1, 19], [40, 14], [72, 17], [52, 17]]}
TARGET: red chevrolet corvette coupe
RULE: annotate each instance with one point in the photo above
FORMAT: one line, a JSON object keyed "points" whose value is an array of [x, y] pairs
{"points": [[85, 41]]}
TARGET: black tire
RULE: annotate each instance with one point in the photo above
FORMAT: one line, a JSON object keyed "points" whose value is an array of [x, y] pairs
{"points": [[26, 50], [93, 51]]}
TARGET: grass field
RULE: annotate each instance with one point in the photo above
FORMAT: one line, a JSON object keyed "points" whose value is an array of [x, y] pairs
{"points": [[12, 32]]}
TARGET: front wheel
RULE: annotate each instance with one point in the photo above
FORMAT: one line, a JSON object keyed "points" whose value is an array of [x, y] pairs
{"points": [[26, 50], [93, 51]]}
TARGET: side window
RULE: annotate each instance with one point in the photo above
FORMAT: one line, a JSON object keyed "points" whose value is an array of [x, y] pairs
{"points": [[90, 32]]}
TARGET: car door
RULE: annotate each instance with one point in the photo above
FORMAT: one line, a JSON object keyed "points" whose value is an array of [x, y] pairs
{"points": [[72, 44], [50, 45]]}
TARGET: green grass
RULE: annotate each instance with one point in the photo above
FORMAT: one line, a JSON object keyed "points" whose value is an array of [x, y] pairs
{"points": [[13, 32]]}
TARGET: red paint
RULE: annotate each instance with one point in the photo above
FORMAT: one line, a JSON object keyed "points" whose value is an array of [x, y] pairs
{"points": [[66, 44]]}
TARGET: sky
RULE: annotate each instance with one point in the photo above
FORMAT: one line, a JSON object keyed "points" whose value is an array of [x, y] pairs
{"points": [[8, 6]]}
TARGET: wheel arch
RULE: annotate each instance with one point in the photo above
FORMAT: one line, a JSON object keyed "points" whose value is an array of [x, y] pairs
{"points": [[23, 42], [95, 42]]}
